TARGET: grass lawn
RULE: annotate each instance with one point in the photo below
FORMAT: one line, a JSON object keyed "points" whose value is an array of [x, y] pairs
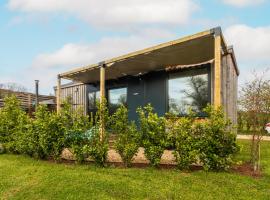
{"points": [[25, 178]]}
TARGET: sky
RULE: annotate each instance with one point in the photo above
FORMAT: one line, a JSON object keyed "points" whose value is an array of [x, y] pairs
{"points": [[42, 38]]}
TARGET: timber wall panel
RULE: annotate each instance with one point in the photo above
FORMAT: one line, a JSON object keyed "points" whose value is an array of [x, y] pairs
{"points": [[229, 88], [78, 95]]}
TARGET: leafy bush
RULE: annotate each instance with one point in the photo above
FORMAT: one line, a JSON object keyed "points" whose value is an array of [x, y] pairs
{"points": [[217, 144], [50, 131], [98, 146], [154, 137], [12, 121], [45, 135], [209, 141], [2, 149], [127, 142], [77, 127], [75, 141], [18, 131], [23, 142], [184, 140]]}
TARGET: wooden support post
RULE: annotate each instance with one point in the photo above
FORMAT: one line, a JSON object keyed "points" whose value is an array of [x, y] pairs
{"points": [[217, 78], [58, 94], [102, 98]]}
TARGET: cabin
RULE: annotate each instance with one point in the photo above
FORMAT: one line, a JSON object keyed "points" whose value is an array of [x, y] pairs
{"points": [[189, 72]]}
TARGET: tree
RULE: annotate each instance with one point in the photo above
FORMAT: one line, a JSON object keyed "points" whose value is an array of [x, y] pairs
{"points": [[198, 92], [255, 102], [11, 87]]}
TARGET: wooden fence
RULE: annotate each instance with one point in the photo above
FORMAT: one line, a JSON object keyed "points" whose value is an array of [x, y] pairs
{"points": [[28, 99]]}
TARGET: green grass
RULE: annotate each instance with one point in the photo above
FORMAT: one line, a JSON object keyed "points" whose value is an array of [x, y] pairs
{"points": [[25, 178]]}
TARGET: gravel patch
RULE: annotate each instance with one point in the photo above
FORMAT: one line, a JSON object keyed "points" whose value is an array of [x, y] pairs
{"points": [[113, 157]]}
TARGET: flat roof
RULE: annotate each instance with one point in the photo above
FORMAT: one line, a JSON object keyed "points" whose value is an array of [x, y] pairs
{"points": [[189, 50]]}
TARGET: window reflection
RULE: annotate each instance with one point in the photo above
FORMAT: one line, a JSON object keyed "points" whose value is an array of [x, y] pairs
{"points": [[117, 97], [188, 92], [93, 97]]}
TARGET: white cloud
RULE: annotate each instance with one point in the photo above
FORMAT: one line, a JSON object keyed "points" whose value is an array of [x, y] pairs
{"points": [[251, 44], [113, 13], [252, 48], [72, 54], [46, 66], [249, 74], [243, 3]]}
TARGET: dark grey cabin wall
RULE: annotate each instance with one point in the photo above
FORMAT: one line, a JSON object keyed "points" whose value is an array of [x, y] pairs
{"points": [[135, 96], [156, 92], [151, 88]]}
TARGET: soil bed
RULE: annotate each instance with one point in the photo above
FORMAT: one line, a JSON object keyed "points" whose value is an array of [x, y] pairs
{"points": [[246, 169]]}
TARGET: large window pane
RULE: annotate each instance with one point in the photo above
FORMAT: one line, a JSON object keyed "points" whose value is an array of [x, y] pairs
{"points": [[117, 97], [188, 92], [93, 97]]}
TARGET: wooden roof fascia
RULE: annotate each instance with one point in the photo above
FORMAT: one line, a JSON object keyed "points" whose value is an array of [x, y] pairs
{"points": [[226, 49], [136, 53], [218, 32], [231, 52]]}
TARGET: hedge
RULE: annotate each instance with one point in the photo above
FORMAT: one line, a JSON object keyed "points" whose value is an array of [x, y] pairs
{"points": [[209, 142]]}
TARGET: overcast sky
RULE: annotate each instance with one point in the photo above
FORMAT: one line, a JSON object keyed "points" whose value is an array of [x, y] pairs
{"points": [[41, 38]]}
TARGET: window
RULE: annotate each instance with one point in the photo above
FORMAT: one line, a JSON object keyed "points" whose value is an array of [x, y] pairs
{"points": [[116, 98], [188, 91], [93, 97]]}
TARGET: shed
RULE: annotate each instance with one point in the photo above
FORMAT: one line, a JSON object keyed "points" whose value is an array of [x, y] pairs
{"points": [[188, 72]]}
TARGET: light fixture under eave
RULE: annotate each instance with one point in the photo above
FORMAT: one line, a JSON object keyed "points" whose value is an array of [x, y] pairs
{"points": [[110, 64], [138, 75]]}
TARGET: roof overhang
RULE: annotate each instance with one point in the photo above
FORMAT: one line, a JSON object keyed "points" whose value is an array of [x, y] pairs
{"points": [[187, 51]]}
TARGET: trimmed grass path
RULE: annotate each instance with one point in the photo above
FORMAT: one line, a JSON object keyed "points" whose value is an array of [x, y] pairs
{"points": [[249, 137]]}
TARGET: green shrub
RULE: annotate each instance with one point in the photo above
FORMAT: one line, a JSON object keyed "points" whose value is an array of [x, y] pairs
{"points": [[12, 122], [18, 131], [77, 126], [184, 141], [127, 142], [210, 141], [154, 138], [23, 134], [2, 149], [217, 144], [49, 128], [75, 141], [97, 146]]}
